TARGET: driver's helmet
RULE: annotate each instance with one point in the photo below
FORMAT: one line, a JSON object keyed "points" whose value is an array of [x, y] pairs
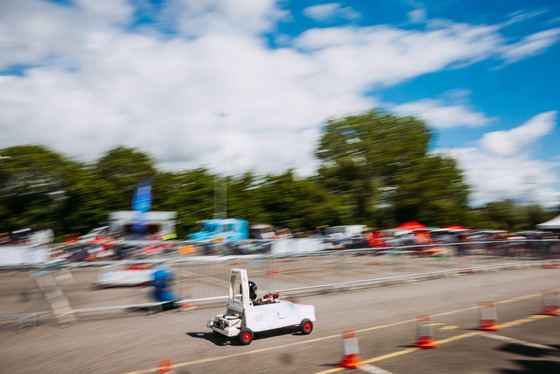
{"points": [[252, 290]]}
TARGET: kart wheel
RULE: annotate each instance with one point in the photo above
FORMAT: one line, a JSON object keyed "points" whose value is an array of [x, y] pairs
{"points": [[306, 326], [245, 336]]}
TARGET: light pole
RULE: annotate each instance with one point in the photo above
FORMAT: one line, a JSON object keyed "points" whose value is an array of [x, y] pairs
{"points": [[220, 184]]}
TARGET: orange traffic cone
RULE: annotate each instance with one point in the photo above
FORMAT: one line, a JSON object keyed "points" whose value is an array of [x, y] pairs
{"points": [[488, 317], [351, 358], [165, 366], [189, 305], [425, 333], [551, 303]]}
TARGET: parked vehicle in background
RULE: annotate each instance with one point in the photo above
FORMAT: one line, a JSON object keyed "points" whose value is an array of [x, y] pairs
{"points": [[232, 236], [157, 225], [221, 229], [219, 235], [398, 238], [346, 236], [537, 234], [261, 231], [97, 233]]}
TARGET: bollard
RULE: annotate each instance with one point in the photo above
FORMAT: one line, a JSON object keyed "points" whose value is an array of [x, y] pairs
{"points": [[165, 366], [425, 333], [351, 359], [488, 317], [551, 303]]}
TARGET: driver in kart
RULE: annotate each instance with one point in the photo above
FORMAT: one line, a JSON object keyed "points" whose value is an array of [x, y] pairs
{"points": [[269, 298]]}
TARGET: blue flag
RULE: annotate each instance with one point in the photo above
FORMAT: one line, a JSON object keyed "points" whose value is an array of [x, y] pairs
{"points": [[142, 199], [141, 203]]}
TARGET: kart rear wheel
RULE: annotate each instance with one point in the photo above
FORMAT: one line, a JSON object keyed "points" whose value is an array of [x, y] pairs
{"points": [[306, 326], [245, 336]]}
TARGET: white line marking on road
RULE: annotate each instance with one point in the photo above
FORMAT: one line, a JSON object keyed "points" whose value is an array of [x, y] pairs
{"points": [[450, 327], [373, 369]]}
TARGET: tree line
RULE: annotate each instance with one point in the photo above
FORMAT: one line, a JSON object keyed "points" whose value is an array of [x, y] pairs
{"points": [[375, 169]]}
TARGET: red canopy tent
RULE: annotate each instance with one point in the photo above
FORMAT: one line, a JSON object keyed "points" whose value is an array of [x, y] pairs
{"points": [[456, 227], [412, 226]]}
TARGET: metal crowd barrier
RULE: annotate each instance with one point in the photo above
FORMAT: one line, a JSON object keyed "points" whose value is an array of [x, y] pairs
{"points": [[151, 308], [324, 272], [26, 320], [343, 286]]}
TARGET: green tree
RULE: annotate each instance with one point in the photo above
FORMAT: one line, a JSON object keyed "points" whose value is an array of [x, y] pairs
{"points": [[533, 214], [293, 202], [189, 193], [122, 168], [33, 185], [506, 215], [244, 197], [363, 155], [432, 191], [88, 203]]}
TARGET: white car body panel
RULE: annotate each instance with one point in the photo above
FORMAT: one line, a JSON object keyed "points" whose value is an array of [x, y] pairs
{"points": [[277, 315], [124, 278]]}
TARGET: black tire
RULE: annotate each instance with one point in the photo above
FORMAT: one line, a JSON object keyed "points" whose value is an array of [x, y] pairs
{"points": [[246, 336], [306, 326]]}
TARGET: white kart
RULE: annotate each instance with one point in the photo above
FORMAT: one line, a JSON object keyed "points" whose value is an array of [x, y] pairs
{"points": [[242, 318]]}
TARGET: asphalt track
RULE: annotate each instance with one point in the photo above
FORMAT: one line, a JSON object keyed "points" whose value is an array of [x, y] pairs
{"points": [[384, 319]]}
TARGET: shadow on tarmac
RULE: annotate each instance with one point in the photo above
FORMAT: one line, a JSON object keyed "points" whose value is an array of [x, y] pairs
{"points": [[221, 340], [534, 367], [525, 350], [212, 337]]}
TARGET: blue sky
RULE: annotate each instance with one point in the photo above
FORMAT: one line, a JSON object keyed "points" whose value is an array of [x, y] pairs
{"points": [[235, 85]]}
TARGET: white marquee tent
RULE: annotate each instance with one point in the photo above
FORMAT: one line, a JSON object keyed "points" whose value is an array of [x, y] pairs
{"points": [[553, 224]]}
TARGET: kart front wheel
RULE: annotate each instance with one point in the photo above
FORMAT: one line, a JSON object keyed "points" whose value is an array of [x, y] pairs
{"points": [[246, 336], [306, 326]]}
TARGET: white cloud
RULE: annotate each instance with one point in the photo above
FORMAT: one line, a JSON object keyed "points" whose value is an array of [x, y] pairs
{"points": [[327, 12], [195, 18], [111, 10], [417, 15], [511, 142], [519, 177], [383, 55], [35, 32], [530, 45], [321, 12], [498, 168], [520, 16], [438, 114]]}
